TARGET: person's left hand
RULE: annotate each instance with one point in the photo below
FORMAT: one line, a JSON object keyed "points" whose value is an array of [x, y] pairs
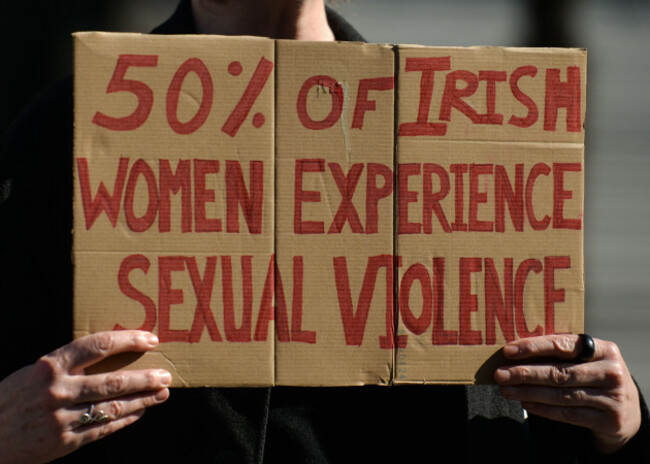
{"points": [[599, 395]]}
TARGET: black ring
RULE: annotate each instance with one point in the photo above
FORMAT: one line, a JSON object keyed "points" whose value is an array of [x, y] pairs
{"points": [[588, 349]]}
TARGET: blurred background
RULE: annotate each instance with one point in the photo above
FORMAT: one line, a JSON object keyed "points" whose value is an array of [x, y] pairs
{"points": [[37, 50]]}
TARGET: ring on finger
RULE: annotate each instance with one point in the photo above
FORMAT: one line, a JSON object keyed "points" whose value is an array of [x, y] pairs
{"points": [[588, 349], [93, 416]]}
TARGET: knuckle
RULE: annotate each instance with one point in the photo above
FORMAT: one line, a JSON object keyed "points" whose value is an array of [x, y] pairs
{"points": [[578, 396], [103, 343], [565, 398], [62, 357], [618, 422], [618, 395], [87, 389], [560, 375], [115, 384], [615, 374], [69, 442], [564, 344], [115, 409], [614, 423], [612, 351], [571, 397], [59, 418], [57, 394], [152, 380], [148, 401], [46, 368], [522, 373]]}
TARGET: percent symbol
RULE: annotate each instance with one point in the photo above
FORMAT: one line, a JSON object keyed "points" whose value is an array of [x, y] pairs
{"points": [[248, 98]]}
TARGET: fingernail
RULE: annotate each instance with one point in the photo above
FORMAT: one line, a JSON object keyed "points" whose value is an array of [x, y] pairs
{"points": [[162, 395], [510, 350], [151, 339], [502, 375], [165, 378]]}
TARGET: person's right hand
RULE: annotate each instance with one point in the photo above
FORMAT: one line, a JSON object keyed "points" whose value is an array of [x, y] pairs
{"points": [[41, 405]]}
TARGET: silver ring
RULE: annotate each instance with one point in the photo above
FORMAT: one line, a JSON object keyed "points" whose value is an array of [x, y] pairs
{"points": [[93, 416]]}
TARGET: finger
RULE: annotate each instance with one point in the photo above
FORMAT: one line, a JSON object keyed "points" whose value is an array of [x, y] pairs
{"points": [[583, 417], [592, 374], [91, 349], [563, 346], [87, 434], [117, 408], [552, 396], [100, 387]]}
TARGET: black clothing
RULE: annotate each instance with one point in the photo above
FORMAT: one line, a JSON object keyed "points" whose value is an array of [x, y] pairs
{"points": [[233, 425]]}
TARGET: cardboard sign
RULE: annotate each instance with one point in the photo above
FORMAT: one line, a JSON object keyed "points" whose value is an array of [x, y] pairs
{"points": [[301, 213]]}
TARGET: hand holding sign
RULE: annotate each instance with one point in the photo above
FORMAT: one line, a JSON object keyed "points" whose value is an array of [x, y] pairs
{"points": [[53, 403], [599, 395]]}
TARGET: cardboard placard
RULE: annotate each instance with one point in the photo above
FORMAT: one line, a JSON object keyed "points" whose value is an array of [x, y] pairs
{"points": [[301, 213]]}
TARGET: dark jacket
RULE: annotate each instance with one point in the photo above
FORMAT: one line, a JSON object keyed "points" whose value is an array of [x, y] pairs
{"points": [[234, 425]]}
